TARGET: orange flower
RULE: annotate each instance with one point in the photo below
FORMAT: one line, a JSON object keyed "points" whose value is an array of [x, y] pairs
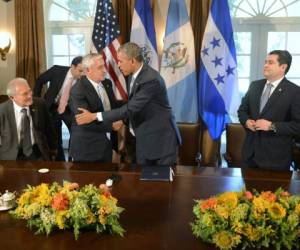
{"points": [[285, 194], [248, 195], [268, 196], [105, 190], [210, 203], [72, 186], [60, 202]]}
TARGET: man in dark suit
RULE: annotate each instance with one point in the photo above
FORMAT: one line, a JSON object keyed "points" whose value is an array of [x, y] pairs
{"points": [[93, 142], [270, 113], [148, 110], [26, 132], [60, 79]]}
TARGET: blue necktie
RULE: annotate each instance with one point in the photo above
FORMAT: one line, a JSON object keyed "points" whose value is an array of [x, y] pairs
{"points": [[265, 96]]}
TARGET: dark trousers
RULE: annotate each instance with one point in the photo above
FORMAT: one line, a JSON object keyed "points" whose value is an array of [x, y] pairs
{"points": [[57, 120], [35, 155]]}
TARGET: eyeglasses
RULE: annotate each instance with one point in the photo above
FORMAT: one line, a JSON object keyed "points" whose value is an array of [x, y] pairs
{"points": [[27, 93]]}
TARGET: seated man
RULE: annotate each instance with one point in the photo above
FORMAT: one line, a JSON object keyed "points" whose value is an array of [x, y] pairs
{"points": [[26, 131]]}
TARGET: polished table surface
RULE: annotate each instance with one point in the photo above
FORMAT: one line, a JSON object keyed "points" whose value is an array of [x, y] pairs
{"points": [[157, 215]]}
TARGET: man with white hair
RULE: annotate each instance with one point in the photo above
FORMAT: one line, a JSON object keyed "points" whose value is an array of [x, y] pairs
{"points": [[94, 141], [26, 131]]}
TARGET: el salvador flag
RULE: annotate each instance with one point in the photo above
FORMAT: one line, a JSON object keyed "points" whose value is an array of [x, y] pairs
{"points": [[178, 63], [218, 86], [143, 32]]}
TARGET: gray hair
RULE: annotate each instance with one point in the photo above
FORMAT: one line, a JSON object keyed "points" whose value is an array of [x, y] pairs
{"points": [[132, 50], [89, 60], [12, 85]]}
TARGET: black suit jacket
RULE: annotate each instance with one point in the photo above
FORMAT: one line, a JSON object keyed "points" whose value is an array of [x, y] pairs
{"points": [[55, 76], [89, 142], [266, 148], [151, 116], [43, 132]]}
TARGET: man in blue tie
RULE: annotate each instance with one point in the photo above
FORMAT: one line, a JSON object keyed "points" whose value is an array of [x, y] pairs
{"points": [[148, 110], [270, 113]]}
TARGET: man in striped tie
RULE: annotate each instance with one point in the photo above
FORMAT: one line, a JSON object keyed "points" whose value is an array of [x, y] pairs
{"points": [[270, 113]]}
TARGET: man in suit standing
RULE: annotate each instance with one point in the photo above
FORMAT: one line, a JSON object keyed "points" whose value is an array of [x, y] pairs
{"points": [[26, 132], [93, 142], [61, 79], [270, 113], [148, 110]]}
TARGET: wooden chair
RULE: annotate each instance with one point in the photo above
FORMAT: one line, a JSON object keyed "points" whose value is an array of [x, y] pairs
{"points": [[235, 135]]}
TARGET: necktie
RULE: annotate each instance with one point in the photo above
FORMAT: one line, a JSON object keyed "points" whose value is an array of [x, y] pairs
{"points": [[63, 101], [131, 85], [265, 96], [104, 97], [25, 135]]}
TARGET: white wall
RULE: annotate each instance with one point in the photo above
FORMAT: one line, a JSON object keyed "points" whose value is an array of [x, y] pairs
{"points": [[7, 24]]}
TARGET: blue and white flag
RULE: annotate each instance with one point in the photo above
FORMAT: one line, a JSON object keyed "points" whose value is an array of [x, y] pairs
{"points": [[143, 32], [178, 63], [218, 86]]}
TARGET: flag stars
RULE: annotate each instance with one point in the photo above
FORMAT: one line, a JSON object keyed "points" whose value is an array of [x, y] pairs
{"points": [[215, 42], [217, 61], [219, 79], [205, 51], [230, 70]]}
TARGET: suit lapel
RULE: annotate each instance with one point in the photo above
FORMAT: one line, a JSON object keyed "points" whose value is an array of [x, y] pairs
{"points": [[257, 97], [12, 121], [93, 95]]}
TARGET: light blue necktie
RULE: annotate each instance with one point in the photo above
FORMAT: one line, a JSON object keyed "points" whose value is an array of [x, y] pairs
{"points": [[265, 96]]}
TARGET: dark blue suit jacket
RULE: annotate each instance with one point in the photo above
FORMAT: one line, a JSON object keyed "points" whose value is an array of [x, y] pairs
{"points": [[266, 148], [151, 116], [89, 142]]}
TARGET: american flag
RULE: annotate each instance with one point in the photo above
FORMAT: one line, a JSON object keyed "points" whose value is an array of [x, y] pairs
{"points": [[105, 38]]}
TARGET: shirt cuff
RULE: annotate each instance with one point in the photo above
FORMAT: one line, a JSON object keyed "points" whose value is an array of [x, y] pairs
{"points": [[99, 116]]}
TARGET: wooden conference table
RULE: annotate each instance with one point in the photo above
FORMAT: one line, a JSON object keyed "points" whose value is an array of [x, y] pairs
{"points": [[157, 215]]}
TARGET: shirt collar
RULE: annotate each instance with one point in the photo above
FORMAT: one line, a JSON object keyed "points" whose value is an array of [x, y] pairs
{"points": [[19, 108], [276, 82], [137, 72]]}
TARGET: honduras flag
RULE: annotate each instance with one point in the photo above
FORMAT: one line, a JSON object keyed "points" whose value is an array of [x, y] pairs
{"points": [[143, 32], [178, 63], [218, 86]]}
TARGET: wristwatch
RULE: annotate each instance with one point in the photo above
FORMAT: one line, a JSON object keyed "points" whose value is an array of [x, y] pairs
{"points": [[273, 127]]}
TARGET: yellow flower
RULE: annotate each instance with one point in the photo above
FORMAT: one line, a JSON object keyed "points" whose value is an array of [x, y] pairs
{"points": [[24, 199], [226, 240], [297, 208], [60, 218], [259, 206], [276, 211], [252, 233], [41, 195], [228, 199], [90, 218], [223, 212]]}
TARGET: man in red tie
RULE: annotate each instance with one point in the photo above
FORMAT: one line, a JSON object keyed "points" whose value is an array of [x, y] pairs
{"points": [[60, 79]]}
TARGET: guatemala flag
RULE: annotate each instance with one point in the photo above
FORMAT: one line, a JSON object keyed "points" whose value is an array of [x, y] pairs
{"points": [[219, 97], [178, 63], [143, 32]]}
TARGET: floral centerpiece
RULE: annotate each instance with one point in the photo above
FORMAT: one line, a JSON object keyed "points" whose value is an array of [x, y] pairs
{"points": [[249, 219], [46, 207]]}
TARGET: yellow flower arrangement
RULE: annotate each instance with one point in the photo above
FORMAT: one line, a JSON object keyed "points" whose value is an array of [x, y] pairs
{"points": [[249, 220], [46, 207]]}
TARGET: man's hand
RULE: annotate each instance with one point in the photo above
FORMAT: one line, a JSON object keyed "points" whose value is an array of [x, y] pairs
{"points": [[262, 124], [85, 117], [250, 124], [117, 125]]}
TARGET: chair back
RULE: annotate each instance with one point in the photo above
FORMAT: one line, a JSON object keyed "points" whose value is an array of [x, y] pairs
{"points": [[189, 151], [235, 135]]}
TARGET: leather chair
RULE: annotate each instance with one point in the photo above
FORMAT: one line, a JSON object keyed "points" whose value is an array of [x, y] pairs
{"points": [[3, 98], [189, 151], [235, 135]]}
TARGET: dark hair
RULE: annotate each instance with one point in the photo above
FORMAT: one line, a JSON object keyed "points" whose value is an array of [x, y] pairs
{"points": [[132, 50], [76, 60], [284, 57]]}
